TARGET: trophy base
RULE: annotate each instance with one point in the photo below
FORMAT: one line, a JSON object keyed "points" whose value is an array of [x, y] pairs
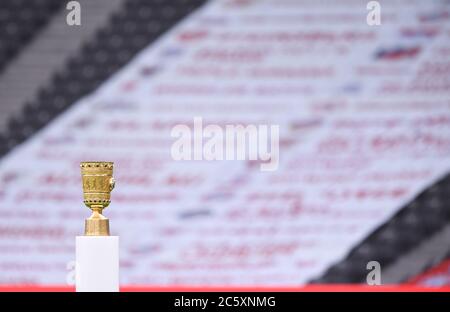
{"points": [[97, 263], [96, 227]]}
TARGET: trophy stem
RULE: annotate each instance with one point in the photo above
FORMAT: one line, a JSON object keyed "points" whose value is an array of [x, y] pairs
{"points": [[96, 224]]}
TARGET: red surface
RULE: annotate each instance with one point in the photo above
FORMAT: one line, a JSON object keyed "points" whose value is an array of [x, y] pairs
{"points": [[309, 288], [438, 276]]}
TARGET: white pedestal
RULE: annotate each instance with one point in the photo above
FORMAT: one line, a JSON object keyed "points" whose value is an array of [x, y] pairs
{"points": [[97, 263]]}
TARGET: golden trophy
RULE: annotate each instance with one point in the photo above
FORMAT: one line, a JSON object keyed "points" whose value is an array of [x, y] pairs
{"points": [[98, 182]]}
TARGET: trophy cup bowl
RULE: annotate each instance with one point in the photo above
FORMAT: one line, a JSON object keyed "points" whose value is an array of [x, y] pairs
{"points": [[98, 182]]}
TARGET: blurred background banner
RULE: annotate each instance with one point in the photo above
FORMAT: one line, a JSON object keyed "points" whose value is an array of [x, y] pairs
{"points": [[364, 118]]}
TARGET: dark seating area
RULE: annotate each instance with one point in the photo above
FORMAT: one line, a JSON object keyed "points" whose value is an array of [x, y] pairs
{"points": [[20, 21], [417, 221], [127, 32]]}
